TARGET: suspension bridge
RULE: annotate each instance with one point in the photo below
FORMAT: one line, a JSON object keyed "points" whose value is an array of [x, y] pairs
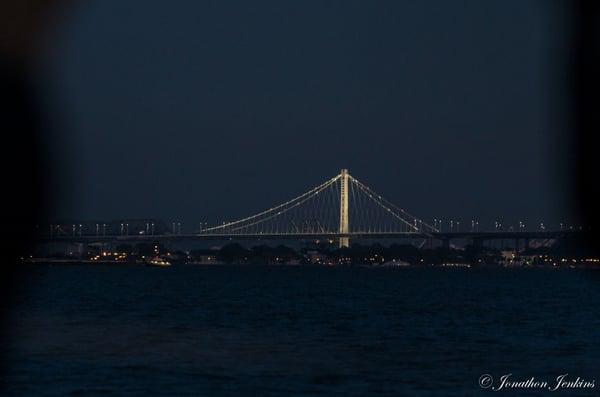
{"points": [[341, 208]]}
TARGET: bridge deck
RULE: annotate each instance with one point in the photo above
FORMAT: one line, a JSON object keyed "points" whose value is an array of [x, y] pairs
{"points": [[318, 236]]}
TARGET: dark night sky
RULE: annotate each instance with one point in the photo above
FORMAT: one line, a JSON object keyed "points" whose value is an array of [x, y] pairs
{"points": [[211, 110]]}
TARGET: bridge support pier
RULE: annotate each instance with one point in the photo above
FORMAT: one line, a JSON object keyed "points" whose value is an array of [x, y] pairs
{"points": [[446, 243]]}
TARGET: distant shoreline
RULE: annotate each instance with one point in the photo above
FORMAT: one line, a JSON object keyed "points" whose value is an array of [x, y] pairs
{"points": [[108, 263]]}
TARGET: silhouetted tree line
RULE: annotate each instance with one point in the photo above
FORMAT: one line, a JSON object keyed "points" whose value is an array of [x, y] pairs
{"points": [[262, 254], [356, 254], [374, 254]]}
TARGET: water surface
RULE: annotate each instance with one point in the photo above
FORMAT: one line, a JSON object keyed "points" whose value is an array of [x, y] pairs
{"points": [[300, 331]]}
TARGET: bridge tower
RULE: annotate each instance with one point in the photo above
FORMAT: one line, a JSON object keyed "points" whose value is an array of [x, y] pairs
{"points": [[344, 241]]}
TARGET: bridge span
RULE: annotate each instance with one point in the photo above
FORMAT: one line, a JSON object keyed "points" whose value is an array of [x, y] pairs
{"points": [[342, 208], [444, 237]]}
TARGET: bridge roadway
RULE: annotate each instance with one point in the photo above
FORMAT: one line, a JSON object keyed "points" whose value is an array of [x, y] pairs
{"points": [[441, 236]]}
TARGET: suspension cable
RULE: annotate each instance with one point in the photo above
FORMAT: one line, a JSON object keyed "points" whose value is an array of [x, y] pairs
{"points": [[310, 192]]}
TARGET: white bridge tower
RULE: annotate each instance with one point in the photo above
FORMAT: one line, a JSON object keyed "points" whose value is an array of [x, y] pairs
{"points": [[344, 241]]}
